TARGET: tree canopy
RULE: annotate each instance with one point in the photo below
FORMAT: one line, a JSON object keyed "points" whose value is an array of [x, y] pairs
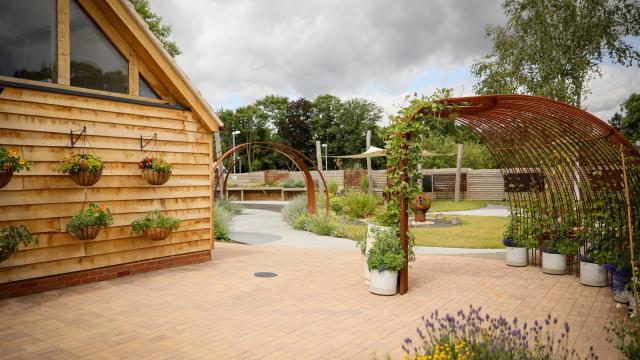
{"points": [[552, 48], [160, 30], [628, 120]]}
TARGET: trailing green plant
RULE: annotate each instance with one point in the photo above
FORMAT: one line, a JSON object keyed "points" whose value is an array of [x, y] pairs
{"points": [[516, 234], [80, 162], [156, 164], [11, 237], [360, 205], [11, 162], [154, 219], [389, 215], [561, 240], [386, 254], [293, 184], [93, 215]]}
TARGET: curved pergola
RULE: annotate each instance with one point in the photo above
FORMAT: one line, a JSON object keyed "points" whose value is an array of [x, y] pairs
{"points": [[555, 158], [298, 158], [562, 157]]}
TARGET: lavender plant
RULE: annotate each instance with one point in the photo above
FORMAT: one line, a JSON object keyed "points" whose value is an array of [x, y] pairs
{"points": [[473, 335]]}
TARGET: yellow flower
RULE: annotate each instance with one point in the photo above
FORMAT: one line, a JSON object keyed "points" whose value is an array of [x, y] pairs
{"points": [[21, 162]]}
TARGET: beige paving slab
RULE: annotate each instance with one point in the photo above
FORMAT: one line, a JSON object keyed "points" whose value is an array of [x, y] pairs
{"points": [[316, 308]]}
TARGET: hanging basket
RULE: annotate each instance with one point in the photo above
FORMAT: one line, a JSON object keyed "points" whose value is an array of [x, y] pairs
{"points": [[88, 233], [157, 233], [5, 177], [85, 178], [4, 254], [154, 177]]}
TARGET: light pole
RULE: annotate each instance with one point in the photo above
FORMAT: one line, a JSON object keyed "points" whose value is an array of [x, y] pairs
{"points": [[326, 165], [233, 142]]}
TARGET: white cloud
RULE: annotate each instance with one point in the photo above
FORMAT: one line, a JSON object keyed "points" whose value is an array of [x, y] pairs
{"points": [[238, 51]]}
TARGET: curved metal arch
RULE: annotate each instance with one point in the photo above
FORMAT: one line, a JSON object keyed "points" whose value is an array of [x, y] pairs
{"points": [[298, 158]]}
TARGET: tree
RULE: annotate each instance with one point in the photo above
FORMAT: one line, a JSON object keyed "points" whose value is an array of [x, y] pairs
{"points": [[354, 118], [295, 128], [552, 48], [161, 31], [628, 121]]}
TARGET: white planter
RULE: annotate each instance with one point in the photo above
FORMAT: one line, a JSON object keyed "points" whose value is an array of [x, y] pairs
{"points": [[592, 274], [371, 228], [516, 256], [383, 283], [555, 264]]}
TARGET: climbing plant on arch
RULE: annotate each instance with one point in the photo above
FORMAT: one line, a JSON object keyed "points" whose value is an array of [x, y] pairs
{"points": [[565, 166]]}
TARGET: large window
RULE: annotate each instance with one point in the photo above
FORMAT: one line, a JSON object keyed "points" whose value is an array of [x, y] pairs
{"points": [[95, 62], [28, 39]]}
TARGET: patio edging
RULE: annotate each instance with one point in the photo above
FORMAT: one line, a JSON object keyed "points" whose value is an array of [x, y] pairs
{"points": [[36, 285]]}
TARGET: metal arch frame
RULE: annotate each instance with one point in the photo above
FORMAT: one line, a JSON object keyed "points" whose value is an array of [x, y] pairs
{"points": [[298, 158], [566, 145]]}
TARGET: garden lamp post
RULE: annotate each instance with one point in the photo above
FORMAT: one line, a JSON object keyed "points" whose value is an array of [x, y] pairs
{"points": [[326, 165], [233, 144]]}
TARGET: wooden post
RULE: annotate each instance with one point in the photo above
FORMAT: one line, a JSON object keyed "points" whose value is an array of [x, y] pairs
{"points": [[627, 201], [220, 170], [64, 52], [404, 226], [319, 160], [369, 177], [458, 173]]}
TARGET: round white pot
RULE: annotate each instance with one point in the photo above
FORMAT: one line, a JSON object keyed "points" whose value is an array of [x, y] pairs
{"points": [[516, 256], [555, 264], [371, 229], [383, 282], [592, 274]]}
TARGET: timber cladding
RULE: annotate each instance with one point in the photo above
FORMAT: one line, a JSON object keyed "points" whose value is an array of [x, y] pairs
{"points": [[37, 124]]}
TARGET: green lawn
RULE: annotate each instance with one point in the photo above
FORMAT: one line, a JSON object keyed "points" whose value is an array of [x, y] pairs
{"points": [[450, 205], [479, 232]]}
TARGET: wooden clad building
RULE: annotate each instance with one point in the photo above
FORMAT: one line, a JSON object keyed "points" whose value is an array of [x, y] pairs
{"points": [[70, 64]]}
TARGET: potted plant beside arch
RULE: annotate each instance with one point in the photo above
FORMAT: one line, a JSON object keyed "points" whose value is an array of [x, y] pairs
{"points": [[385, 259], [383, 221], [155, 226], [556, 248], [155, 171], [83, 169], [11, 237], [515, 241], [86, 223], [598, 251], [10, 163]]}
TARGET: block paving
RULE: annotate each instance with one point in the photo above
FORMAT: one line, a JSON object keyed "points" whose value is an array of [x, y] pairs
{"points": [[316, 308]]}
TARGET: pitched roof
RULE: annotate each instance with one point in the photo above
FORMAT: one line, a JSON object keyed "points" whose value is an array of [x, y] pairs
{"points": [[182, 86]]}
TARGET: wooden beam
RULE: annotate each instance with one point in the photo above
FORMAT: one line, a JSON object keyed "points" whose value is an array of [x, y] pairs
{"points": [[134, 76], [64, 54]]}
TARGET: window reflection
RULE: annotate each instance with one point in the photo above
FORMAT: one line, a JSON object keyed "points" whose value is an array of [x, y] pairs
{"points": [[95, 62], [145, 90], [28, 39]]}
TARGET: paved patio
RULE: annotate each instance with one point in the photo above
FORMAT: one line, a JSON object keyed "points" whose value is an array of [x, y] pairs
{"points": [[318, 307]]}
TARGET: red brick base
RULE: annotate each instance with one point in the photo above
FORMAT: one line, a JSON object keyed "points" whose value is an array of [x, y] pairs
{"points": [[32, 286]]}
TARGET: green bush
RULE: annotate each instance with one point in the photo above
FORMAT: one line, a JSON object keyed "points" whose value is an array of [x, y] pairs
{"points": [[317, 224], [232, 208], [358, 205], [364, 184], [335, 204], [332, 187], [294, 209], [293, 184], [222, 218], [154, 218]]}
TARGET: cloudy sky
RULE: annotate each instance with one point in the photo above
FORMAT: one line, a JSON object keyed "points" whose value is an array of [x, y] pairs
{"points": [[241, 50]]}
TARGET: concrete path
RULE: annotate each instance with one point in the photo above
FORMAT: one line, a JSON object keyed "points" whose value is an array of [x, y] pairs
{"points": [[263, 227]]}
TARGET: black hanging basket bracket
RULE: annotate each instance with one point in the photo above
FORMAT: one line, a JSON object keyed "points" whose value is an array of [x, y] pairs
{"points": [[81, 132], [151, 138]]}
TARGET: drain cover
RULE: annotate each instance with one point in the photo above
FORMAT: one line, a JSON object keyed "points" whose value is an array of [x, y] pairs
{"points": [[265, 274]]}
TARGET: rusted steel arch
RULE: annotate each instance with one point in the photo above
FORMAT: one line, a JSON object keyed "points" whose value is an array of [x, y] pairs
{"points": [[298, 158], [576, 154]]}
